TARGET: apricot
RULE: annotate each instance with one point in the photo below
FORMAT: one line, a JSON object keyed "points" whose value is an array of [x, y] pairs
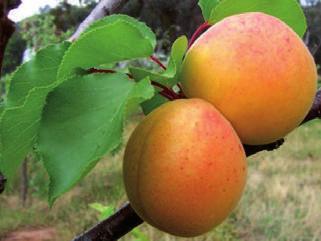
{"points": [[184, 168], [256, 71]]}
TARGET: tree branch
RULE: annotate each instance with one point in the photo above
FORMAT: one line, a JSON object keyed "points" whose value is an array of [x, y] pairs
{"points": [[3, 181], [7, 27], [116, 226], [103, 8], [315, 112]]}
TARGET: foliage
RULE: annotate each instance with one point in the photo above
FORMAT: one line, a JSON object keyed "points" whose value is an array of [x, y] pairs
{"points": [[51, 26], [207, 7], [67, 17], [288, 11], [168, 20], [5, 83], [39, 31], [14, 53]]}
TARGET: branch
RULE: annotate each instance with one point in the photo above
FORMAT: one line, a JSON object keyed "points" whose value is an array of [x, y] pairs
{"points": [[315, 112], [251, 150], [3, 181], [103, 8], [7, 27], [116, 226]]}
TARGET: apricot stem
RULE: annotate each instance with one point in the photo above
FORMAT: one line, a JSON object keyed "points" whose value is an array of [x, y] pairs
{"points": [[158, 62], [201, 29]]}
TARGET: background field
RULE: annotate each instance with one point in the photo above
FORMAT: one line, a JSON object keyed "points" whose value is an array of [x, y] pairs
{"points": [[282, 200]]}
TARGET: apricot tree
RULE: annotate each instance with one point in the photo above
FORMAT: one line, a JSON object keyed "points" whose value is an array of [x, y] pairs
{"points": [[70, 101]]}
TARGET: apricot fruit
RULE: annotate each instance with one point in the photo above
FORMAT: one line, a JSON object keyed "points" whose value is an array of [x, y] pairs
{"points": [[256, 71], [184, 168]]}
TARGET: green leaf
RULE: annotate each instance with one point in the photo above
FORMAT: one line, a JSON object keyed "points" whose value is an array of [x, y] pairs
{"points": [[176, 59], [141, 26], [289, 11], [169, 77], [110, 40], [39, 72], [82, 121], [141, 73], [150, 105], [207, 6], [21, 114]]}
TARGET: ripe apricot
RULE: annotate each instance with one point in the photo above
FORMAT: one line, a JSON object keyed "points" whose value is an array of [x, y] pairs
{"points": [[184, 168], [256, 71]]}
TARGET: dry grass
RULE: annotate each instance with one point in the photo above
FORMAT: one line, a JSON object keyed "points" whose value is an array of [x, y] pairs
{"points": [[282, 200], [283, 196]]}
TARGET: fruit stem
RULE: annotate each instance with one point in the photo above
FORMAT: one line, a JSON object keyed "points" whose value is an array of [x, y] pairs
{"points": [[167, 92], [201, 29], [157, 61]]}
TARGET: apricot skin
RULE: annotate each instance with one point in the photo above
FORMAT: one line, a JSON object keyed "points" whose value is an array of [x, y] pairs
{"points": [[256, 71], [184, 168]]}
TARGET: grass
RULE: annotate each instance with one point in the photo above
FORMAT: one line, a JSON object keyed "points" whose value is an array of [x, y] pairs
{"points": [[282, 200]]}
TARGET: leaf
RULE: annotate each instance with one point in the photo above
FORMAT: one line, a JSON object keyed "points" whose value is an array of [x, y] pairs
{"points": [[141, 73], [110, 40], [169, 77], [39, 72], [141, 26], [176, 59], [21, 114], [150, 105], [207, 6], [289, 11], [82, 121]]}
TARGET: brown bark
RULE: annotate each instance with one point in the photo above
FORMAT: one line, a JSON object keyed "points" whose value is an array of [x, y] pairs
{"points": [[116, 226], [3, 181], [7, 27]]}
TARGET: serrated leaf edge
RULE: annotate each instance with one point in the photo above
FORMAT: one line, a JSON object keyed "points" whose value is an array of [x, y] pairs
{"points": [[61, 76]]}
